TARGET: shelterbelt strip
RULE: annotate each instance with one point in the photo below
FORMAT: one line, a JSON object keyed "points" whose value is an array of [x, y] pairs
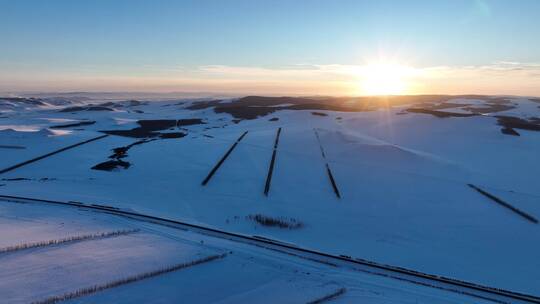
{"points": [[24, 163], [405, 275]]}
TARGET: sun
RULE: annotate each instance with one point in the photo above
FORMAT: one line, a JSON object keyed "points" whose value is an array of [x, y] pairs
{"points": [[384, 79]]}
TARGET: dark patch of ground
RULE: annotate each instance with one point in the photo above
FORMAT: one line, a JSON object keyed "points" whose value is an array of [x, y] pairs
{"points": [[189, 122], [509, 131], [445, 105], [147, 130], [111, 165], [319, 114], [107, 104], [496, 104], [30, 101], [85, 108], [489, 108], [273, 119], [151, 128], [440, 114], [134, 103], [98, 108], [157, 124], [200, 105], [245, 112], [78, 124], [172, 135], [117, 157], [73, 109], [280, 222], [121, 104], [535, 120], [121, 152], [251, 107], [510, 123], [491, 105]]}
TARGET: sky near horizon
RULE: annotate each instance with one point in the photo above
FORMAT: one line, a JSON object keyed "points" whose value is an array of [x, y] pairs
{"points": [[272, 47]]}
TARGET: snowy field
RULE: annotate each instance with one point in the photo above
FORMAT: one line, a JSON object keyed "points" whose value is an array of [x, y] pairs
{"points": [[238, 274], [401, 168]]}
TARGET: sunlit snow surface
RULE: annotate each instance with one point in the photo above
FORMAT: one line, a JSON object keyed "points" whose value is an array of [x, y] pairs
{"points": [[402, 176]]}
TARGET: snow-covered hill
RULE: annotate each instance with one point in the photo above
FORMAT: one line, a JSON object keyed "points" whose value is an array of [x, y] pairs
{"points": [[402, 167]]}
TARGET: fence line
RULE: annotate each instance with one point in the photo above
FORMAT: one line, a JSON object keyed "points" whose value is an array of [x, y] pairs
{"points": [[71, 239], [138, 277]]}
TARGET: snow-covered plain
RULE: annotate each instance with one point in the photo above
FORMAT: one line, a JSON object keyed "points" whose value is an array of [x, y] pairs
{"points": [[402, 172], [246, 274]]}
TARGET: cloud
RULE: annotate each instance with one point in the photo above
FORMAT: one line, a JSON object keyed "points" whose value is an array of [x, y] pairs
{"points": [[291, 73], [501, 77]]}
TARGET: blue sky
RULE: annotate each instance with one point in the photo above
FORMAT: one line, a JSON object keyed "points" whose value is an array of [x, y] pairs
{"points": [[44, 41]]}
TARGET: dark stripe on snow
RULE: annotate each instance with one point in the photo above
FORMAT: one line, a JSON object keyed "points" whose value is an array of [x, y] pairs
{"points": [[220, 162], [328, 170], [504, 204], [50, 154], [329, 297], [272, 161]]}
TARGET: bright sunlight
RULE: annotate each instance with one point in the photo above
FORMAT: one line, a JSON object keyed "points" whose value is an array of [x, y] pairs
{"points": [[384, 79]]}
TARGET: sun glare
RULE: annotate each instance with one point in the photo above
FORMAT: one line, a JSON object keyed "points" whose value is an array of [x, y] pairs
{"points": [[384, 79]]}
